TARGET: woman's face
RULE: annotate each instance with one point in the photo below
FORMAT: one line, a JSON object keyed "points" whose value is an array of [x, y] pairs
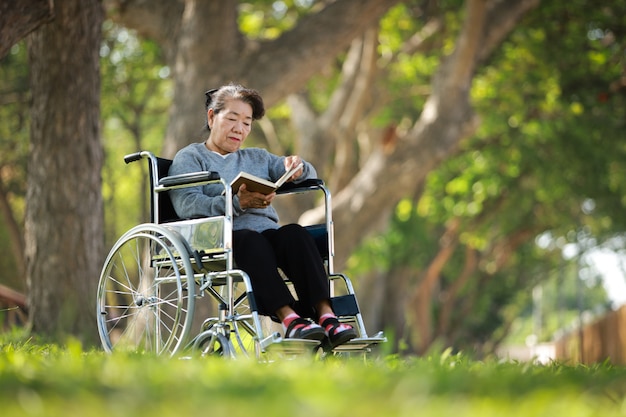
{"points": [[230, 127]]}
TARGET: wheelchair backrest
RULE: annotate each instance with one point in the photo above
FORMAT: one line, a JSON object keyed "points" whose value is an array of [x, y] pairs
{"points": [[166, 212]]}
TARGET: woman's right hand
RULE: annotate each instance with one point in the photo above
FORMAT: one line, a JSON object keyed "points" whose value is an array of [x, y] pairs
{"points": [[251, 199]]}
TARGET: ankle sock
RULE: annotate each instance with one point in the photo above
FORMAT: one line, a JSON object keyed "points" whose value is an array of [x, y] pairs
{"points": [[329, 326]]}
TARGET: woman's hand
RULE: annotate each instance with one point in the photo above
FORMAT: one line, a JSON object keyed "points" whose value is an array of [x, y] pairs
{"points": [[293, 161], [250, 199]]}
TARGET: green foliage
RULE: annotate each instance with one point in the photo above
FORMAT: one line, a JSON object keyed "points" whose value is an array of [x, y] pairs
{"points": [[547, 157], [38, 380], [390, 249], [541, 143], [408, 83], [267, 19]]}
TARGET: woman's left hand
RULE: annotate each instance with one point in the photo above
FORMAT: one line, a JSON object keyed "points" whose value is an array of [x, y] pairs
{"points": [[251, 199], [292, 161]]}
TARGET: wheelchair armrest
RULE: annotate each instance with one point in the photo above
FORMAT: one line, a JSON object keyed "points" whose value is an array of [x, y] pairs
{"points": [[190, 178], [306, 185]]}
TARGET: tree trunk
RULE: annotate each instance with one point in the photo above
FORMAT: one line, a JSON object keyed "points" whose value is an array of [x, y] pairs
{"points": [[422, 297], [64, 216], [450, 297]]}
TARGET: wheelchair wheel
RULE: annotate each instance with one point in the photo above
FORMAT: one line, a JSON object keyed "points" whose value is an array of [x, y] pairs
{"points": [[146, 292], [212, 343], [244, 327]]}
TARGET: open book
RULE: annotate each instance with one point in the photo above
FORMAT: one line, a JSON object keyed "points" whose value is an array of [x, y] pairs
{"points": [[259, 185]]}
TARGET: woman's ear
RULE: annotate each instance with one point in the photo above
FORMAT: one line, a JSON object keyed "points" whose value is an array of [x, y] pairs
{"points": [[210, 114]]}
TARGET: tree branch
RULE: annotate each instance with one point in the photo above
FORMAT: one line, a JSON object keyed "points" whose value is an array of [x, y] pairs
{"points": [[20, 17], [304, 51], [157, 20]]}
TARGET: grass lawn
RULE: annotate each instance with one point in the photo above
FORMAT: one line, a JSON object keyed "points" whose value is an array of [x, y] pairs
{"points": [[48, 380]]}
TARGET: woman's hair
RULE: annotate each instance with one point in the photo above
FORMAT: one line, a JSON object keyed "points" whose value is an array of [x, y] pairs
{"points": [[217, 97]]}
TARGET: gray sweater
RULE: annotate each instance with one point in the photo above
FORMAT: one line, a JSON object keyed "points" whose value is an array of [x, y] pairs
{"points": [[206, 201]]}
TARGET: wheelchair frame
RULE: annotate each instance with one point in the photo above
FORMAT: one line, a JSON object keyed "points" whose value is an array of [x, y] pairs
{"points": [[156, 272]]}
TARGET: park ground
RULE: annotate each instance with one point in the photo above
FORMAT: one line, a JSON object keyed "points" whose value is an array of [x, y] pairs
{"points": [[49, 380]]}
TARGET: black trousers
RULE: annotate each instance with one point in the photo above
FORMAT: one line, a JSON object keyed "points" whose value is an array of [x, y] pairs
{"points": [[292, 249]]}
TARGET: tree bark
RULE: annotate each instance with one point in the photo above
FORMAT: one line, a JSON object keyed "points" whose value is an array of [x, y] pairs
{"points": [[64, 216], [18, 18]]}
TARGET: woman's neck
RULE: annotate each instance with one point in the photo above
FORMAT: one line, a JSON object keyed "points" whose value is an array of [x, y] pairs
{"points": [[209, 145]]}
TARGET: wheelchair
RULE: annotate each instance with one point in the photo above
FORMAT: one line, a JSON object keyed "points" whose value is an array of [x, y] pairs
{"points": [[158, 276]]}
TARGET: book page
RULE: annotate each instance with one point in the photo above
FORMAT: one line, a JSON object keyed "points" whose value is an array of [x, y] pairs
{"points": [[288, 174]]}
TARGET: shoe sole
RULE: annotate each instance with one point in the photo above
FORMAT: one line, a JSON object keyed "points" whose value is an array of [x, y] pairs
{"points": [[311, 334], [341, 338]]}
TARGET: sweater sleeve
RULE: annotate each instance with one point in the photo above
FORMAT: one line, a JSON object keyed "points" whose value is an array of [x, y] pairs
{"points": [[208, 200], [200, 201], [308, 173]]}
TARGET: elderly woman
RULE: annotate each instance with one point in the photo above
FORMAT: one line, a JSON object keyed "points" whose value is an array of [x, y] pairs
{"points": [[260, 244]]}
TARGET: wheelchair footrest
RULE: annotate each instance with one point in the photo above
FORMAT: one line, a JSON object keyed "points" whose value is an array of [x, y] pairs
{"points": [[293, 346], [361, 344]]}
